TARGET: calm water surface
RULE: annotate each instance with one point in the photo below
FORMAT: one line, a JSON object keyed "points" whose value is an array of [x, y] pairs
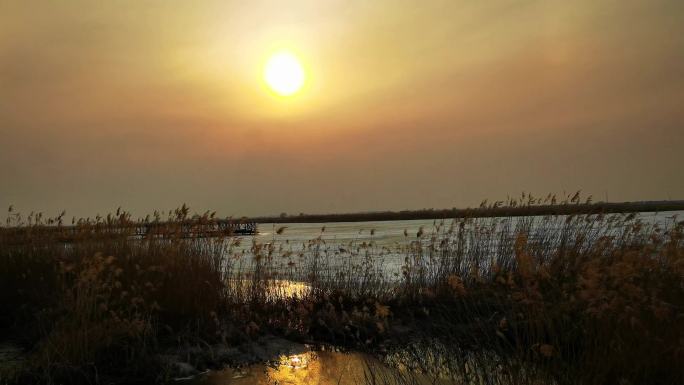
{"points": [[386, 233], [316, 368], [384, 241]]}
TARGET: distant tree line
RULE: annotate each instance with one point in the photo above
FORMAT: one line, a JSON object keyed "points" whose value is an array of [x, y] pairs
{"points": [[496, 209]]}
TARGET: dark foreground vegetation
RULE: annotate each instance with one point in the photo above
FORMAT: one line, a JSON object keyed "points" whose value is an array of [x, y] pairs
{"points": [[580, 299]]}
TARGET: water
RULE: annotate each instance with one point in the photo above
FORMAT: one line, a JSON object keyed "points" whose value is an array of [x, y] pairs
{"points": [[386, 241], [382, 233], [386, 233], [306, 368], [340, 242], [316, 368]]}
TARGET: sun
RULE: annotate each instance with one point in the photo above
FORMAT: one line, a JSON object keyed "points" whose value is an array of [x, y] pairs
{"points": [[284, 74]]}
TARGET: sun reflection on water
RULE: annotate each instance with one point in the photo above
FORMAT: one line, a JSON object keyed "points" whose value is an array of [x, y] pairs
{"points": [[313, 368], [298, 369], [297, 361], [307, 368]]}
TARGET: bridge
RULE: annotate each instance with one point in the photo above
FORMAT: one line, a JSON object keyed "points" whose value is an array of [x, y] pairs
{"points": [[195, 229], [187, 228]]}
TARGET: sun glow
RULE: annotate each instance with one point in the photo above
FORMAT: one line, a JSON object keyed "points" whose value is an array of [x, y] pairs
{"points": [[284, 74]]}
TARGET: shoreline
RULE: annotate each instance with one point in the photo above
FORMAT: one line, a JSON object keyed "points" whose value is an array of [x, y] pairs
{"points": [[481, 212]]}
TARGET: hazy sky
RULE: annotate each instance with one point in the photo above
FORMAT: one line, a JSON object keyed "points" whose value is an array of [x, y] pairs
{"points": [[147, 105]]}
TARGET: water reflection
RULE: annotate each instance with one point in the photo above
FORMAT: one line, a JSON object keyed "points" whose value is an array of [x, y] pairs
{"points": [[288, 289], [298, 369], [297, 361], [316, 368], [272, 288]]}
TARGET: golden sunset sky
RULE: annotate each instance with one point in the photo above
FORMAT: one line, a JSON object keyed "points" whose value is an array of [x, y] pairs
{"points": [[406, 104]]}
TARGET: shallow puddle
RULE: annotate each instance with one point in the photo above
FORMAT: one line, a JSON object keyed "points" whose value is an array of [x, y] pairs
{"points": [[313, 368]]}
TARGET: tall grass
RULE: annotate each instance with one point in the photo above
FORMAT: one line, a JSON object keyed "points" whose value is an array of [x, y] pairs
{"points": [[99, 305], [592, 299], [578, 299]]}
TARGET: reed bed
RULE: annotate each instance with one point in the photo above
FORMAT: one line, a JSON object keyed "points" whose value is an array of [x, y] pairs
{"points": [[588, 299]]}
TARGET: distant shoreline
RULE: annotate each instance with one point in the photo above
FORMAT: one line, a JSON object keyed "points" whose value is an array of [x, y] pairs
{"points": [[507, 211]]}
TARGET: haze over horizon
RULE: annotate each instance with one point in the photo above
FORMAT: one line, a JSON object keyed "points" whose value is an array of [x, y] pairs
{"points": [[150, 105]]}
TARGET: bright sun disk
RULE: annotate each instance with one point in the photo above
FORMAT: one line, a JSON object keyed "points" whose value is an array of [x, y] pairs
{"points": [[284, 74]]}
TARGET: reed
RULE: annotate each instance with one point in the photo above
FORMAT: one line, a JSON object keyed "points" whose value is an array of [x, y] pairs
{"points": [[591, 299]]}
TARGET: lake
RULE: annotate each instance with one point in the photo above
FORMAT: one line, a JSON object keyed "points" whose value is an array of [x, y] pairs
{"points": [[388, 233], [387, 246]]}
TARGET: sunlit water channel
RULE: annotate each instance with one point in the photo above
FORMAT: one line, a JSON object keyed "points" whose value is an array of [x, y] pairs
{"points": [[315, 368]]}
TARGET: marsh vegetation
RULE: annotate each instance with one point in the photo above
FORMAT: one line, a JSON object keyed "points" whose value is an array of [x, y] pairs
{"points": [[573, 299]]}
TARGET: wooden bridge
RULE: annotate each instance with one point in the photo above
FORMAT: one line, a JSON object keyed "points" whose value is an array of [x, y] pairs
{"points": [[189, 228], [195, 229]]}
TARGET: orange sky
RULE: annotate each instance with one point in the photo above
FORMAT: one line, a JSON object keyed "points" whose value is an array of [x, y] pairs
{"points": [[148, 105]]}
